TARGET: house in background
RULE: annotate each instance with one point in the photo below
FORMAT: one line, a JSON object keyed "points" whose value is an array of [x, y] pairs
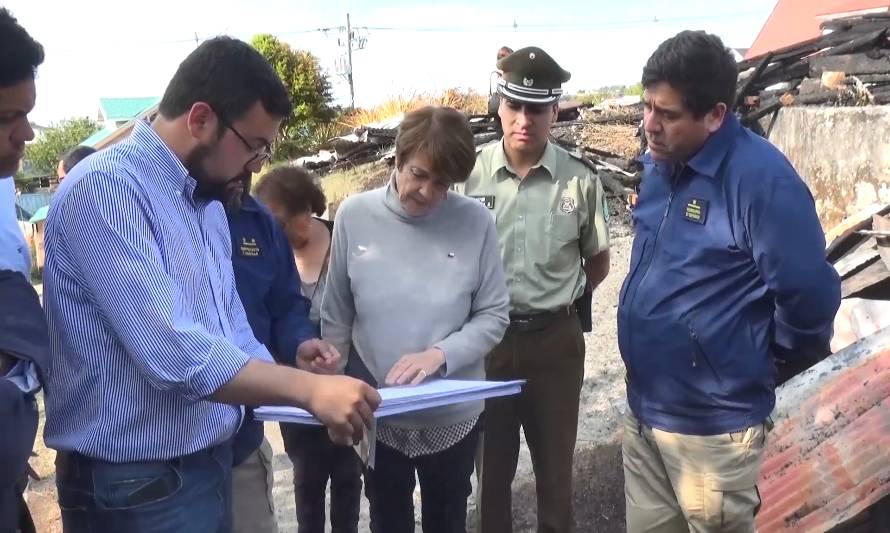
{"points": [[793, 21], [117, 114], [31, 210]]}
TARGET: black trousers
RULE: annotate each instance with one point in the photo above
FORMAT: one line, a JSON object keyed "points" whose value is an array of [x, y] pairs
{"points": [[316, 460], [444, 488]]}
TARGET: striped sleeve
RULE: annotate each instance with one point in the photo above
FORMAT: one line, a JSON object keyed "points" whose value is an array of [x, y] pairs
{"points": [[110, 236]]}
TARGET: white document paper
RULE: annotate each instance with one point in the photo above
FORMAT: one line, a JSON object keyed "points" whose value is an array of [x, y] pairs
{"points": [[407, 398]]}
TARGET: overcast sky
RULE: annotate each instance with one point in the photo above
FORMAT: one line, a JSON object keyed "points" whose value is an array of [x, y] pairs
{"points": [[109, 48]]}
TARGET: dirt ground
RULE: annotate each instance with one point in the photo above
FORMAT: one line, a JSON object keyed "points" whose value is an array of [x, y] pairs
{"points": [[599, 500]]}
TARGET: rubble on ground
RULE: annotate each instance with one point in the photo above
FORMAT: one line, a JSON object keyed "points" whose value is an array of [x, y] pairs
{"points": [[607, 134], [825, 466]]}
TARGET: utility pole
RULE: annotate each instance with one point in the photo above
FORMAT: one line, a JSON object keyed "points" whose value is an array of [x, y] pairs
{"points": [[349, 60]]}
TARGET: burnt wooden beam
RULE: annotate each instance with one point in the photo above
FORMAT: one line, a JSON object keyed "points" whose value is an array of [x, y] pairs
{"points": [[765, 109], [742, 91], [851, 64], [866, 42], [821, 96], [798, 50], [868, 78], [860, 23], [777, 73]]}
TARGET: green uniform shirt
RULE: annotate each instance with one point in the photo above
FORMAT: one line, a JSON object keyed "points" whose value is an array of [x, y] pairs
{"points": [[546, 223]]}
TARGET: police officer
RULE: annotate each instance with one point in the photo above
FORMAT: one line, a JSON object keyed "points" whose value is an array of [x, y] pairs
{"points": [[550, 213]]}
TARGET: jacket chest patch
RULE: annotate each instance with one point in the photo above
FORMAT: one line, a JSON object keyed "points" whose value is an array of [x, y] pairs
{"points": [[696, 210], [248, 247]]}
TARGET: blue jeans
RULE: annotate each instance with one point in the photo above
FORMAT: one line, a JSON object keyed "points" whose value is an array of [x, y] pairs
{"points": [[191, 494]]}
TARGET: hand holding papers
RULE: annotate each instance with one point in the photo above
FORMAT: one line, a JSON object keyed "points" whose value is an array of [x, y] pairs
{"points": [[403, 399]]}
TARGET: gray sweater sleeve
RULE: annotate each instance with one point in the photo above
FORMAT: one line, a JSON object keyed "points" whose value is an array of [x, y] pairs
{"points": [[489, 313], [337, 304]]}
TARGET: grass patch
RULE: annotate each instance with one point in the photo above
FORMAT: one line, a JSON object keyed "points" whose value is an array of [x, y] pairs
{"points": [[470, 102]]}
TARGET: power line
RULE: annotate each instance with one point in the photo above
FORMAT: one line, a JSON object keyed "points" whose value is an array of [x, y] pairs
{"points": [[515, 26]]}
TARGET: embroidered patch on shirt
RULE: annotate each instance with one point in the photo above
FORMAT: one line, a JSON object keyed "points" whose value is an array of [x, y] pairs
{"points": [[567, 205], [696, 210], [249, 247], [487, 201]]}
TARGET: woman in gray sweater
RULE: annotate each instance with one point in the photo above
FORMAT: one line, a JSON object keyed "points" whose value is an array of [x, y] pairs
{"points": [[416, 290]]}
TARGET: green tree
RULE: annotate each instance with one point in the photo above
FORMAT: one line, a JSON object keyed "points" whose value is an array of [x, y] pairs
{"points": [[42, 156], [310, 92]]}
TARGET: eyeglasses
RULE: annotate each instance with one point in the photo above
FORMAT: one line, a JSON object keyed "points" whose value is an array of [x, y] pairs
{"points": [[261, 154]]}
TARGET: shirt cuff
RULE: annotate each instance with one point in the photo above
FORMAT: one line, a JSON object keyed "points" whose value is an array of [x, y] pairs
{"points": [[224, 361], [24, 376]]}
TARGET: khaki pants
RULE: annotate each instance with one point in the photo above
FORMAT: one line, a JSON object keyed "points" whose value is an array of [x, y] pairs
{"points": [[252, 505], [680, 483], [552, 362]]}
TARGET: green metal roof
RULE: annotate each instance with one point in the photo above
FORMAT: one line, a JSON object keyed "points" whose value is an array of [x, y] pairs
{"points": [[126, 108], [94, 139], [39, 215], [29, 204]]}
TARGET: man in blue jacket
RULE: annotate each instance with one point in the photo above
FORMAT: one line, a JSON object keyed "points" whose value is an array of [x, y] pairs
{"points": [[268, 284], [727, 274]]}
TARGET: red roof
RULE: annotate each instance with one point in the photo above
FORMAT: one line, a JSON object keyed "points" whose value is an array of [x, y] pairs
{"points": [[793, 21]]}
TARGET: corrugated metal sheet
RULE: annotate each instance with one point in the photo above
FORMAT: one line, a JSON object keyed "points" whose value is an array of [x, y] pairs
{"points": [[28, 204]]}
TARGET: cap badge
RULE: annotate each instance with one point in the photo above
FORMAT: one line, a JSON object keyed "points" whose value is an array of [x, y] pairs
{"points": [[528, 82], [531, 55]]}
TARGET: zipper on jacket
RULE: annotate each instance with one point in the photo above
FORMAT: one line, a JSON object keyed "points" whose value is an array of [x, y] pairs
{"points": [[696, 348], [675, 175], [661, 224], [633, 296]]}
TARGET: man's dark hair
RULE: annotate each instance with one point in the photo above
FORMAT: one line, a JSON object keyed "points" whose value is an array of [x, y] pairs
{"points": [[293, 188], [20, 54], [230, 76], [75, 156], [699, 66]]}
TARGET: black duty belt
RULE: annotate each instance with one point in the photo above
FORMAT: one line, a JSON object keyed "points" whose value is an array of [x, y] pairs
{"points": [[536, 321]]}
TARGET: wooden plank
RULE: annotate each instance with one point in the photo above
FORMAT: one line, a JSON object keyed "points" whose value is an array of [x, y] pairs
{"points": [[862, 254], [764, 110], [861, 24], [803, 48], [821, 96], [871, 275], [851, 64], [868, 78], [880, 223], [842, 237], [746, 86], [866, 42], [784, 72]]}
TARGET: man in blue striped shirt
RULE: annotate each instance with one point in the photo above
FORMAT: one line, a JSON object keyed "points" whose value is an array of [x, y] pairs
{"points": [[152, 355]]}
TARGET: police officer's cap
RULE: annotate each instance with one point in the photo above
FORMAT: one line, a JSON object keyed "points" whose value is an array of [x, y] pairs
{"points": [[531, 76]]}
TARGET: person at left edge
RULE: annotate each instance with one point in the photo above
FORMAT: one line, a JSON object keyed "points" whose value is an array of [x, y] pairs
{"points": [[152, 354], [24, 347]]}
